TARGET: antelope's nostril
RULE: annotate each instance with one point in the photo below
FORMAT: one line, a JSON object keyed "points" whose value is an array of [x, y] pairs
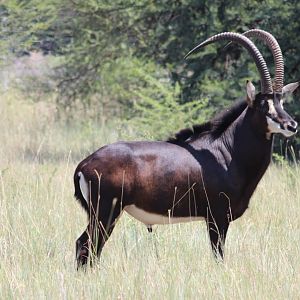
{"points": [[292, 126]]}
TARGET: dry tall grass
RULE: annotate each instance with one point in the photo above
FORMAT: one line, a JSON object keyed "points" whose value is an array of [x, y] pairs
{"points": [[40, 222]]}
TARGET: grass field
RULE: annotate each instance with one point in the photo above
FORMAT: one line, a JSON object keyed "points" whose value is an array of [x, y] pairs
{"points": [[40, 221]]}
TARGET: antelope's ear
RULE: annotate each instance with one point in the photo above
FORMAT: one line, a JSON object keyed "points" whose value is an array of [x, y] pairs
{"points": [[289, 89], [250, 93]]}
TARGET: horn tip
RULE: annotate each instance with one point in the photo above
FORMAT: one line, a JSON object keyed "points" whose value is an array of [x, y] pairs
{"points": [[186, 56], [195, 49]]}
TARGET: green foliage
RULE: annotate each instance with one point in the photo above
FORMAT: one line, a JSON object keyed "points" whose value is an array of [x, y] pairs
{"points": [[30, 25], [157, 111], [279, 159], [91, 33], [151, 103]]}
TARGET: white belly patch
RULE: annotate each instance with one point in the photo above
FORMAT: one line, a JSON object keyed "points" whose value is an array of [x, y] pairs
{"points": [[152, 219]]}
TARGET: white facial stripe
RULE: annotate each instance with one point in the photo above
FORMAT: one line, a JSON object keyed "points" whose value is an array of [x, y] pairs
{"points": [[84, 187], [274, 127], [272, 109], [281, 103], [151, 219]]}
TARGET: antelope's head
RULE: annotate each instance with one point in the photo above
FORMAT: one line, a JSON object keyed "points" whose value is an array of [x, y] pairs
{"points": [[278, 120], [270, 111]]}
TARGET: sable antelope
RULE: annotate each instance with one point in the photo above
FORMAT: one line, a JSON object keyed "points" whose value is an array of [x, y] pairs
{"points": [[208, 172]]}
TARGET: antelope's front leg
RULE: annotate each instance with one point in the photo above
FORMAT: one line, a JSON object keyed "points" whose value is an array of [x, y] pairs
{"points": [[217, 227]]}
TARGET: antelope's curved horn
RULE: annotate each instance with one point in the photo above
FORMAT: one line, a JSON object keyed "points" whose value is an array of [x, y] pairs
{"points": [[273, 45], [266, 83]]}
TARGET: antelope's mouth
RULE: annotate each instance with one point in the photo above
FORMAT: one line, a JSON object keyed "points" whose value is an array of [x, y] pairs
{"points": [[286, 129]]}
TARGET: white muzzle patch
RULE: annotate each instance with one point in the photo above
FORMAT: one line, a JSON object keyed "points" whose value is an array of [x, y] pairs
{"points": [[275, 127]]}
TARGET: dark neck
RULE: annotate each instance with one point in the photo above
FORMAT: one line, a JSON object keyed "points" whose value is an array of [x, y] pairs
{"points": [[248, 144]]}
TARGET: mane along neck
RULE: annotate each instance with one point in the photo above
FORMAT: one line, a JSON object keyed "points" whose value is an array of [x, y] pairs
{"points": [[215, 127]]}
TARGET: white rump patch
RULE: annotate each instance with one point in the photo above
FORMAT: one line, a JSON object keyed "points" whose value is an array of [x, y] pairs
{"points": [[84, 187], [152, 219]]}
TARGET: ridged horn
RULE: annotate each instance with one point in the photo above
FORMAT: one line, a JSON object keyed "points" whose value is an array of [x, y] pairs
{"points": [[266, 83], [273, 45]]}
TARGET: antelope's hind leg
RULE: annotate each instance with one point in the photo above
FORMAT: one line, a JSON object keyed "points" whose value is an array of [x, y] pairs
{"points": [[82, 248], [98, 231]]}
